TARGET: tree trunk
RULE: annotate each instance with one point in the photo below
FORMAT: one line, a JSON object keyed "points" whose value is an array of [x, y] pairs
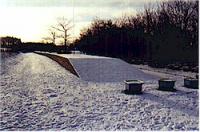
{"points": [[65, 41]]}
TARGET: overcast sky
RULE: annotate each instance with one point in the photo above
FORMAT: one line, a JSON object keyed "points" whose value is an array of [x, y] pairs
{"points": [[30, 19]]}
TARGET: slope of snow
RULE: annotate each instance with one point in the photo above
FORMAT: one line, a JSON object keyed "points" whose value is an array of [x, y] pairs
{"points": [[80, 56], [38, 94], [105, 69], [147, 68]]}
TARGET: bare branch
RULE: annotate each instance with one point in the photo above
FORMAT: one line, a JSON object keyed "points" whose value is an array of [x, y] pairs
{"points": [[57, 28]]}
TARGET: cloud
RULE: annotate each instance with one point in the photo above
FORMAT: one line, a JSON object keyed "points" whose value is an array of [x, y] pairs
{"points": [[75, 3]]}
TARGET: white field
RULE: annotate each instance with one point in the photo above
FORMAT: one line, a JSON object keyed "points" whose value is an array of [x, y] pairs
{"points": [[38, 94], [105, 69]]}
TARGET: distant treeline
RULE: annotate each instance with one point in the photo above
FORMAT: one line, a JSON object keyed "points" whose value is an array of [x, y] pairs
{"points": [[16, 45], [161, 35]]}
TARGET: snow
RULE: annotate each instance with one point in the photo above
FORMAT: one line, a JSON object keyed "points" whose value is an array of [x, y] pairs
{"points": [[165, 71], [38, 94], [105, 69], [83, 56]]}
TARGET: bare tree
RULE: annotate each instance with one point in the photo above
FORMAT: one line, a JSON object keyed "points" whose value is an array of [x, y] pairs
{"points": [[52, 36], [63, 27]]}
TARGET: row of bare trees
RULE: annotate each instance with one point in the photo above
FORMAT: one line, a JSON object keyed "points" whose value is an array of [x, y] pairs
{"points": [[14, 45], [9, 41], [164, 34], [60, 31]]}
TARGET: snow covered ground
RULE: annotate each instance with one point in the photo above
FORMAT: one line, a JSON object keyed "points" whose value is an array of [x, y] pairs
{"points": [[165, 71], [105, 69], [38, 94]]}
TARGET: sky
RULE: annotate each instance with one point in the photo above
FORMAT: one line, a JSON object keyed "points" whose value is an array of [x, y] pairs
{"points": [[30, 20]]}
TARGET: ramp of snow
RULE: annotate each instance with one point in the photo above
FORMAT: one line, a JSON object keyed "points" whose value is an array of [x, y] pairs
{"points": [[105, 69]]}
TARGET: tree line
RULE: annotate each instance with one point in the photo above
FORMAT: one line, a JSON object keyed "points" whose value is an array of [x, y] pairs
{"points": [[58, 31], [164, 34], [16, 45]]}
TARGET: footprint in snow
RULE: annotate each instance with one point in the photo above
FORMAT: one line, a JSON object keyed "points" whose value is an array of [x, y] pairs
{"points": [[47, 91], [53, 95]]}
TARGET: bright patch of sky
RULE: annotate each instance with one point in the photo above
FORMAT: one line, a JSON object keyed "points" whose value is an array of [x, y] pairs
{"points": [[31, 19]]}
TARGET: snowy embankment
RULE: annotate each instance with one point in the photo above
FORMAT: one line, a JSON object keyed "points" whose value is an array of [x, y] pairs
{"points": [[105, 69], [165, 72], [38, 94]]}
